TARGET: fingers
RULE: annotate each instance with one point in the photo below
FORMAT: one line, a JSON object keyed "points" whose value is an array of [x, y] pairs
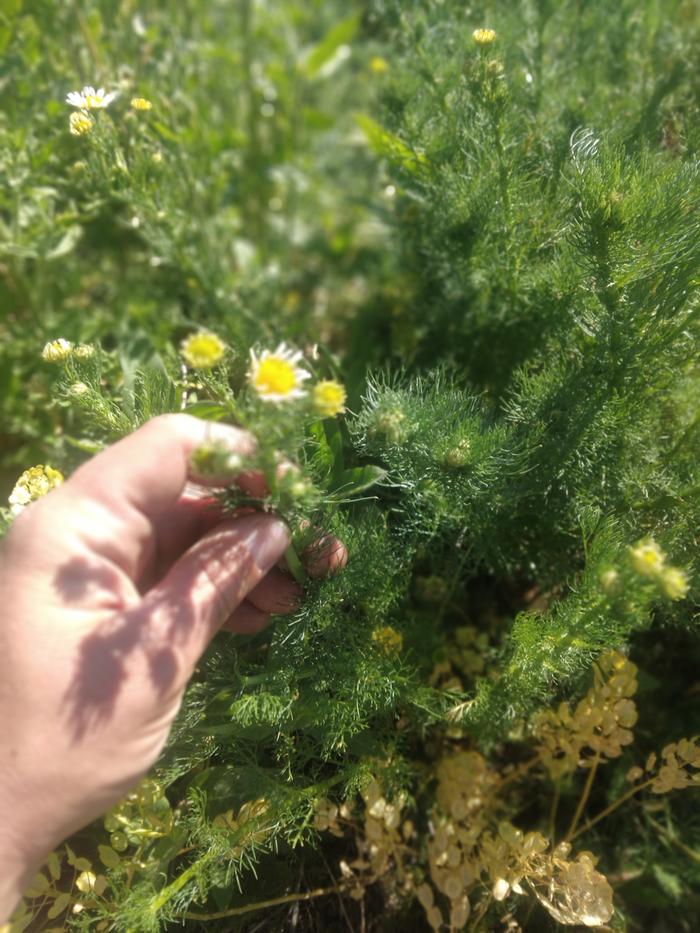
{"points": [[149, 469], [175, 531], [247, 620], [276, 594], [324, 556], [209, 582]]}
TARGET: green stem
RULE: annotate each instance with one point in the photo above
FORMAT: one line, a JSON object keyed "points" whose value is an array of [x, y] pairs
{"points": [[584, 797], [261, 905], [674, 840], [296, 568], [610, 809], [553, 810]]}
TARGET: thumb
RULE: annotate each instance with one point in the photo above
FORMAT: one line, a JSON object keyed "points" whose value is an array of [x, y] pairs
{"points": [[183, 612]]}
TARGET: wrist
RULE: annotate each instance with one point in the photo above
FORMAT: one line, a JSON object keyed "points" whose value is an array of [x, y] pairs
{"points": [[16, 874], [19, 859]]}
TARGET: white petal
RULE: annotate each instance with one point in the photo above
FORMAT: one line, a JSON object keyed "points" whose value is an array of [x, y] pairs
{"points": [[500, 889]]}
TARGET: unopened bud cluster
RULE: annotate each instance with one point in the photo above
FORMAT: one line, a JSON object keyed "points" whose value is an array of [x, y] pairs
{"points": [[646, 562]]}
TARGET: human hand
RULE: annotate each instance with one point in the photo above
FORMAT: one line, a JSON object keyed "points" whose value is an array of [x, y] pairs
{"points": [[111, 588]]}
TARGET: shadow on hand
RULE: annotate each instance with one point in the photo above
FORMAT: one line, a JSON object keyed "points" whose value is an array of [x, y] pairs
{"points": [[159, 629]]}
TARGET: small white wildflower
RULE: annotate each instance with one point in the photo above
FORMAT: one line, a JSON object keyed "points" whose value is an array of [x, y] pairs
{"points": [[90, 99], [275, 376]]}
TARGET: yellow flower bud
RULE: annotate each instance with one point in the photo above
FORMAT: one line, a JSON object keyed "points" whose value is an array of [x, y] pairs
{"points": [[203, 350], [57, 350], [80, 124], [378, 65], [484, 36], [329, 398], [674, 583], [647, 558], [388, 640]]}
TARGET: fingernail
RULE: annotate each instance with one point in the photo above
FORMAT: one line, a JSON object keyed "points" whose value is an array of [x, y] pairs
{"points": [[268, 539]]}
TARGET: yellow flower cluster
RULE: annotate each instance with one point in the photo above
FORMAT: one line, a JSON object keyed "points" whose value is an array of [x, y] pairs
{"points": [[388, 640], [59, 350], [276, 376], [601, 722], [648, 560], [81, 123], [33, 484]]}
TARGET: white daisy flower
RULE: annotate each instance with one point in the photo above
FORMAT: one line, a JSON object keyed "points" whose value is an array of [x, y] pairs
{"points": [[90, 99], [275, 376]]}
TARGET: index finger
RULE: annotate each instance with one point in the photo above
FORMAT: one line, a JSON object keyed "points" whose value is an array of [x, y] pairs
{"points": [[149, 469]]}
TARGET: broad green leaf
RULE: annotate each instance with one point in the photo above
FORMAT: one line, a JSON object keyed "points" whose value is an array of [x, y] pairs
{"points": [[329, 440], [80, 864], [67, 242], [165, 132], [108, 857], [358, 479], [209, 411], [389, 146], [320, 54], [38, 886], [54, 865], [61, 903], [334, 436], [669, 883]]}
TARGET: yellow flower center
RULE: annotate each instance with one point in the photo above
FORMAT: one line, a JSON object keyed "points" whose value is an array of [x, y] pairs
{"points": [[94, 100], [275, 376]]}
